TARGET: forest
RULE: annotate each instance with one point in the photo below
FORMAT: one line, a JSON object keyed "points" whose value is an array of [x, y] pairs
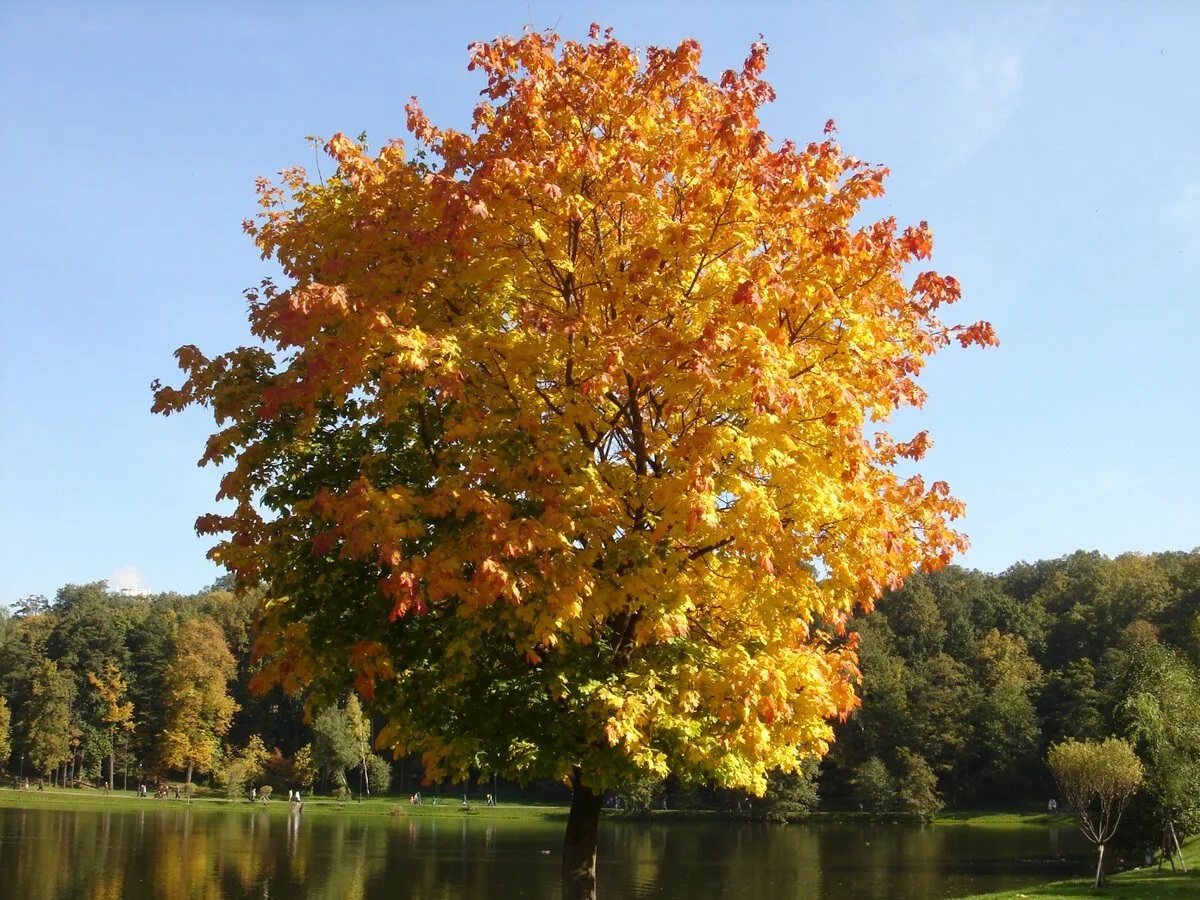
{"points": [[967, 679]]}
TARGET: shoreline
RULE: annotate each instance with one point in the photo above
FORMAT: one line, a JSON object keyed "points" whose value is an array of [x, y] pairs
{"points": [[451, 807]]}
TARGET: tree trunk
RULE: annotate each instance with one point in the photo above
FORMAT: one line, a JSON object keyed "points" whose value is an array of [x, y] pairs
{"points": [[364, 778], [1099, 868], [188, 783], [579, 847]]}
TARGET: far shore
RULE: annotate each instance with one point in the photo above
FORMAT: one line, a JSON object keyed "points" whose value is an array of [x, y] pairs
{"points": [[451, 806]]}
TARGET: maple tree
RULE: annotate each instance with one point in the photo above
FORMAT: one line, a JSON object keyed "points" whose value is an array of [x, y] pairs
{"points": [[563, 440]]}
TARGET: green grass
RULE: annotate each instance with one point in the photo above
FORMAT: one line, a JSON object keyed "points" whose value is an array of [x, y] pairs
{"points": [[1039, 817], [396, 807], [450, 807], [1150, 883]]}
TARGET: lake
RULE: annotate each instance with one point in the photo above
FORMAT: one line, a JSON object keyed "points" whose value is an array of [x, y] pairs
{"points": [[168, 851]]}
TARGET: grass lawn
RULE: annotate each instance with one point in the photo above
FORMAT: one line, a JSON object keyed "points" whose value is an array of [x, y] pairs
{"points": [[451, 807], [1150, 883], [447, 807]]}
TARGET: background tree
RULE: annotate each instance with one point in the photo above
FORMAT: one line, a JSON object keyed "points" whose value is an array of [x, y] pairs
{"points": [[566, 443], [48, 732], [360, 729], [230, 773], [5, 731], [1158, 709], [304, 768], [1181, 618], [199, 709], [240, 768], [335, 747], [790, 795], [874, 786], [1006, 727], [151, 641], [23, 639], [1097, 780], [942, 699], [915, 620], [883, 722], [90, 624], [275, 717], [1071, 706], [917, 788], [379, 773], [640, 797], [116, 712]]}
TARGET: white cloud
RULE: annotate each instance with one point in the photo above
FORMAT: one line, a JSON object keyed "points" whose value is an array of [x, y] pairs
{"points": [[127, 580]]}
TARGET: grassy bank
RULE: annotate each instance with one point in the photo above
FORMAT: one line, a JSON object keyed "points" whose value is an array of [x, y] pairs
{"points": [[451, 807], [371, 806], [972, 817], [1151, 883]]}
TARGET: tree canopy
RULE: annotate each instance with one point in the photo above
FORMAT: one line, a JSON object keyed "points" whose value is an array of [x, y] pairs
{"points": [[563, 438]]}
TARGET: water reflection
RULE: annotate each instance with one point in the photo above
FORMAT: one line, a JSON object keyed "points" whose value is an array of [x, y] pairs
{"points": [[172, 852]]}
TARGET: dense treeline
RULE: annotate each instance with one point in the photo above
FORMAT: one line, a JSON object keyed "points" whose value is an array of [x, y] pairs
{"points": [[968, 678], [156, 688]]}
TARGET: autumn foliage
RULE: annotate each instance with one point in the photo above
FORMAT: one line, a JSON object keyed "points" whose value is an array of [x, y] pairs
{"points": [[562, 438]]}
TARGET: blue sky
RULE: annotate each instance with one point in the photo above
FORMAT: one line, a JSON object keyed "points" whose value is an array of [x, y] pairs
{"points": [[1053, 147]]}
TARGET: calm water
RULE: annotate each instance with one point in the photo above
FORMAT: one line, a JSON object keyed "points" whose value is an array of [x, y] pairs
{"points": [[165, 851]]}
